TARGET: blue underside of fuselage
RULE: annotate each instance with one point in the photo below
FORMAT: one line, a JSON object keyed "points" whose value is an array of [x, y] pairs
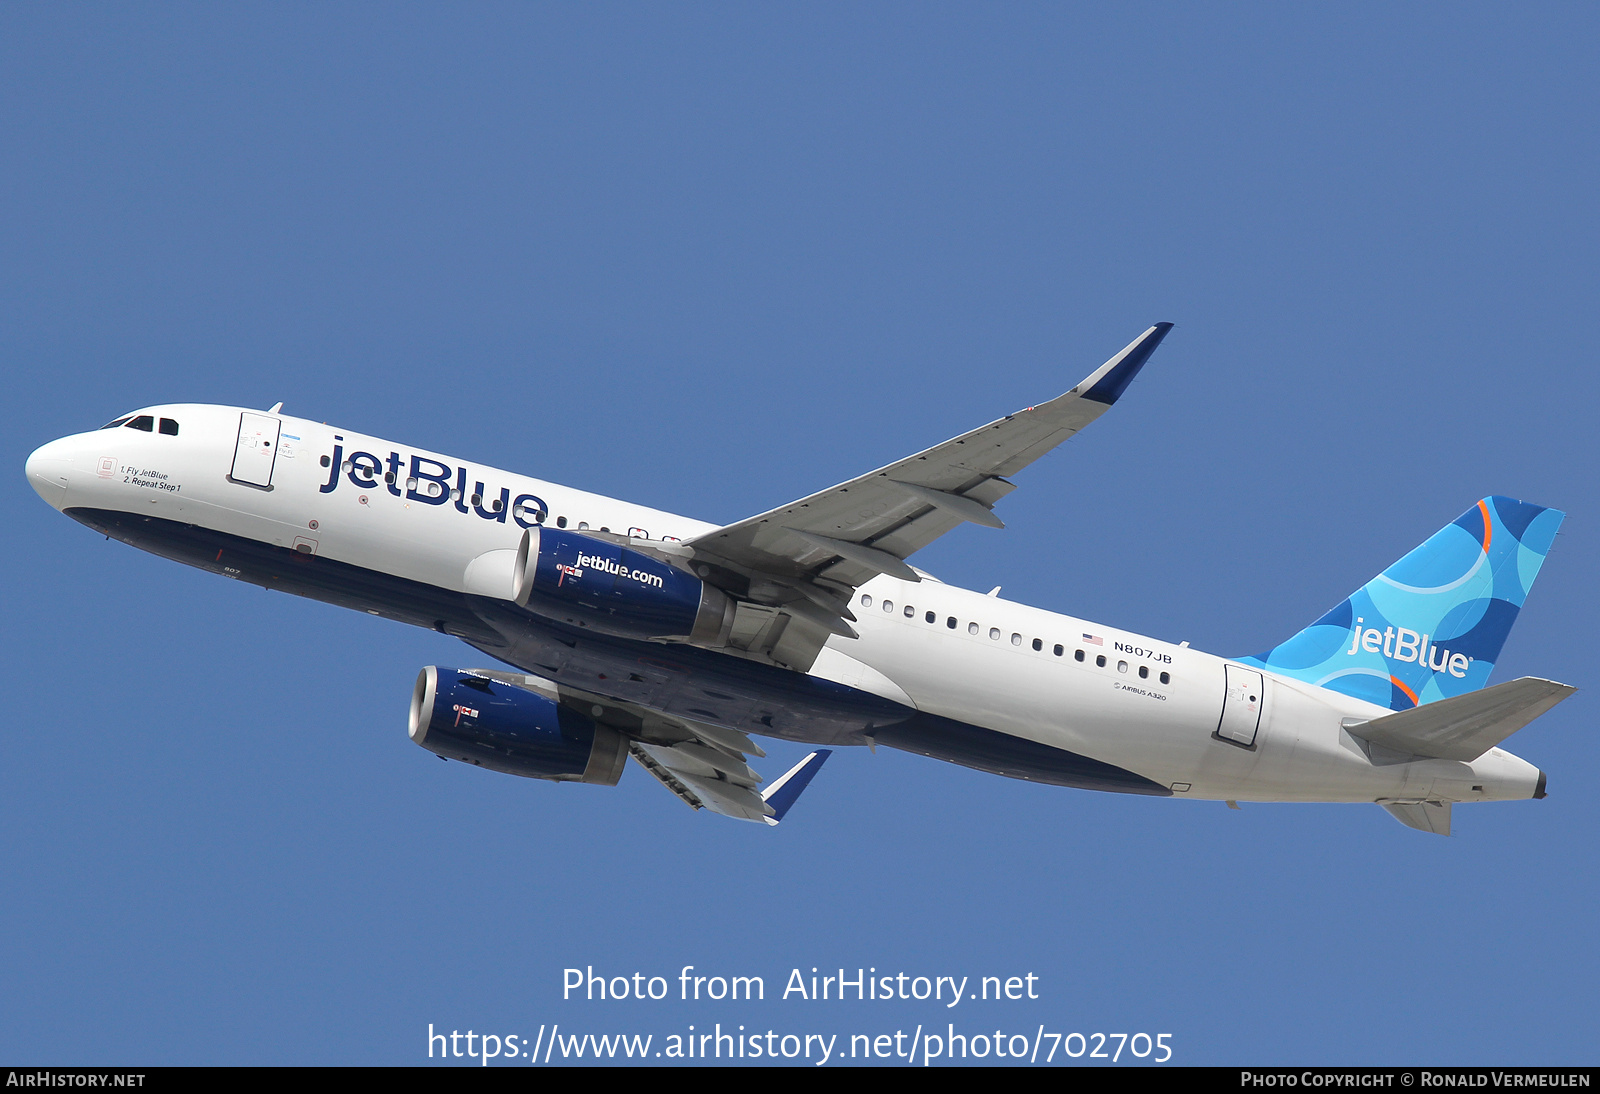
{"points": [[676, 680]]}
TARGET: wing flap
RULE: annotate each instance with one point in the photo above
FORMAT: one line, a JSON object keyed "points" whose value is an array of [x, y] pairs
{"points": [[664, 777], [728, 799]]}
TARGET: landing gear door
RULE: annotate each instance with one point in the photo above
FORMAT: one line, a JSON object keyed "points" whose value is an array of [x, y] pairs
{"points": [[1241, 706], [257, 450]]}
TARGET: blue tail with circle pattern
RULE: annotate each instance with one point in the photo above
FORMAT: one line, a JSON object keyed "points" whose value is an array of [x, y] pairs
{"points": [[1432, 625]]}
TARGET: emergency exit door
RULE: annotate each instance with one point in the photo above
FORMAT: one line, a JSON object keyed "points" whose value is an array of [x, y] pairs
{"points": [[256, 452]]}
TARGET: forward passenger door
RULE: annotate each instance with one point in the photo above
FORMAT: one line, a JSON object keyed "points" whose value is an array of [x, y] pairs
{"points": [[256, 452]]}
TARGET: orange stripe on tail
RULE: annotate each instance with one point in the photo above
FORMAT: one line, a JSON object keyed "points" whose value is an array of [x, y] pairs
{"points": [[1409, 693]]}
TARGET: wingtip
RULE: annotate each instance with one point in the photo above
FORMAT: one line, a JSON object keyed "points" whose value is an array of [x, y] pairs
{"points": [[1113, 377], [785, 790]]}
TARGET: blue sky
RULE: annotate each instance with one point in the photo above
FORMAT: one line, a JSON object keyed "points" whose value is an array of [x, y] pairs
{"points": [[712, 258]]}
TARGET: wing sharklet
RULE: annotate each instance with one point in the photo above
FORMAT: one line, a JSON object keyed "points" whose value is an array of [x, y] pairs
{"points": [[787, 788], [1107, 383]]}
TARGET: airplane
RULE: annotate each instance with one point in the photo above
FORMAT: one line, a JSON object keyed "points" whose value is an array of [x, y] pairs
{"points": [[638, 633]]}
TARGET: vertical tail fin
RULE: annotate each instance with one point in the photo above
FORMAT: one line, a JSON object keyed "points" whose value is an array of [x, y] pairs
{"points": [[1431, 625]]}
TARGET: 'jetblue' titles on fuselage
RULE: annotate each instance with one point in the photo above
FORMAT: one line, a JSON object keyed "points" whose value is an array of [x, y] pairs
{"points": [[432, 483]]}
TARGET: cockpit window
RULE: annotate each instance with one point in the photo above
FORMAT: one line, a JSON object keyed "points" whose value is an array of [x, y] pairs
{"points": [[145, 422], [119, 421], [169, 427]]}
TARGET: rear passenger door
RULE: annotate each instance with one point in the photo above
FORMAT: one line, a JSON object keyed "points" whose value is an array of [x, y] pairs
{"points": [[1241, 705]]}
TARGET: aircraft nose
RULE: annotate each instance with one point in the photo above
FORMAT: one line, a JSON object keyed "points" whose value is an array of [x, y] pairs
{"points": [[47, 471]]}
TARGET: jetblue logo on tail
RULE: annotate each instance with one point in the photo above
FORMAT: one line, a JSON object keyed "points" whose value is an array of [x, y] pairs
{"points": [[1430, 626], [1407, 645]]}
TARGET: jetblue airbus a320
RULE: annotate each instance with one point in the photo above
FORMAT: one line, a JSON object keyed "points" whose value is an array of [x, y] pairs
{"points": [[639, 633]]}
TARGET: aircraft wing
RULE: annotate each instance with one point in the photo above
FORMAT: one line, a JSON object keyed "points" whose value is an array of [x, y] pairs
{"points": [[702, 778], [806, 558]]}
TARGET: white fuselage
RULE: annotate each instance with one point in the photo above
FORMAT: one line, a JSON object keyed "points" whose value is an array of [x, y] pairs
{"points": [[996, 667]]}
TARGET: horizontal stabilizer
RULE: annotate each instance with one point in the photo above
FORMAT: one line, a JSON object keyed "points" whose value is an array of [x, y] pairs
{"points": [[783, 793], [1464, 727], [1423, 816]]}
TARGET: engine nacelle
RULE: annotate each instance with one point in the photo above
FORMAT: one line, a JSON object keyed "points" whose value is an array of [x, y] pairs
{"points": [[519, 728], [617, 590]]}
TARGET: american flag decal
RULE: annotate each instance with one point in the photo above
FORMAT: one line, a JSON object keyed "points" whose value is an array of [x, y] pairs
{"points": [[1093, 640]]}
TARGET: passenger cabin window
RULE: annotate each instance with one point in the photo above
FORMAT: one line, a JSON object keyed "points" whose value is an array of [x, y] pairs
{"points": [[1166, 678], [931, 618], [888, 605], [972, 628], [910, 611], [144, 421], [1077, 655], [1037, 645], [1060, 649], [866, 600], [994, 634], [169, 427], [561, 522], [1144, 672], [1100, 661], [951, 622], [1016, 639]]}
